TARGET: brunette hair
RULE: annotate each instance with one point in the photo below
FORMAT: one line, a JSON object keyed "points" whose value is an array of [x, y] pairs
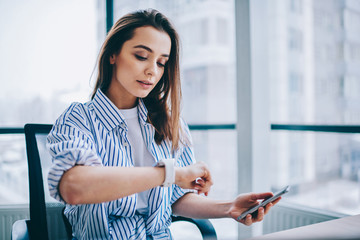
{"points": [[163, 102]]}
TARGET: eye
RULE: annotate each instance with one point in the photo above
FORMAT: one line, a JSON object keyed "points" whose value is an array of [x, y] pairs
{"points": [[161, 64], [140, 57]]}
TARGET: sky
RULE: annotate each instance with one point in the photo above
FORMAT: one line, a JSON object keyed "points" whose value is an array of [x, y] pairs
{"points": [[46, 46]]}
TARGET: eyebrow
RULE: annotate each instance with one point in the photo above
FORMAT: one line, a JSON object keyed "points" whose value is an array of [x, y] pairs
{"points": [[149, 49]]}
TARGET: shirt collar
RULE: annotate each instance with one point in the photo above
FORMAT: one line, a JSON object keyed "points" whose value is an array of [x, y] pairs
{"points": [[107, 112], [143, 112], [110, 115]]}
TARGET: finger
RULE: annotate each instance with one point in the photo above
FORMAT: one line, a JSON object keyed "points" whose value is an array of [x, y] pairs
{"points": [[202, 189], [276, 201], [202, 192], [201, 184], [206, 173], [248, 220], [265, 195], [205, 190], [260, 215], [268, 206], [200, 181], [204, 184]]}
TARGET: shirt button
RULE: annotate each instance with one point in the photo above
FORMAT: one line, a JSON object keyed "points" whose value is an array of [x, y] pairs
{"points": [[126, 144]]}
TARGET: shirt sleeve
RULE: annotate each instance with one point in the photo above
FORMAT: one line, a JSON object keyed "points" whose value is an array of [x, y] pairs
{"points": [[69, 144], [185, 157]]}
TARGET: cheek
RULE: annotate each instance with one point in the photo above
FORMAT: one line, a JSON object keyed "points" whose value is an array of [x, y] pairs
{"points": [[161, 74], [127, 69]]}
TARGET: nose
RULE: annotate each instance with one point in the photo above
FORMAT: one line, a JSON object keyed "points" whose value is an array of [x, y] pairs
{"points": [[151, 69]]}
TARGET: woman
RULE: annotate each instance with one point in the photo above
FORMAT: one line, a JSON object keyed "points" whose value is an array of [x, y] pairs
{"points": [[123, 162]]}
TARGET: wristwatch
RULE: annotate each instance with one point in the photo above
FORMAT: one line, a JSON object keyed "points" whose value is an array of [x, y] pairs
{"points": [[169, 164]]}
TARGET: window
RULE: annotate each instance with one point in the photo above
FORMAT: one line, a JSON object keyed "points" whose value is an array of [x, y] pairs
{"points": [[318, 165], [208, 85], [13, 170], [296, 6], [222, 31], [48, 54], [295, 83], [295, 39]]}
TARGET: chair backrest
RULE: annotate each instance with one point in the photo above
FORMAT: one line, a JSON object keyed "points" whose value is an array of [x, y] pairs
{"points": [[46, 218]]}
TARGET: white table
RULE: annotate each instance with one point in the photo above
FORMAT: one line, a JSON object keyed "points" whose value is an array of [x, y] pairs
{"points": [[342, 228]]}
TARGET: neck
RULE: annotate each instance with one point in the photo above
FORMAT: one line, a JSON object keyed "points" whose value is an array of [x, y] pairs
{"points": [[121, 101]]}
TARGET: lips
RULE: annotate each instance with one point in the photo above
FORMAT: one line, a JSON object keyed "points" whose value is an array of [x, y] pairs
{"points": [[145, 82]]}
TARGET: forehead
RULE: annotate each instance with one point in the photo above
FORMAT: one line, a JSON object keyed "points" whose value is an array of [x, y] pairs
{"points": [[158, 41]]}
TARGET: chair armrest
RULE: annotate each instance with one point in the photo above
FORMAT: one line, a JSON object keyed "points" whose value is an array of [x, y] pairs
{"points": [[206, 228], [19, 230]]}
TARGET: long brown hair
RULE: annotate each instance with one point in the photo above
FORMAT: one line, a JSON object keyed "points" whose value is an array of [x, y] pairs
{"points": [[163, 102]]}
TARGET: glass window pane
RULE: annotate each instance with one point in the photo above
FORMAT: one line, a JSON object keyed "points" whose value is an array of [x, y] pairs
{"points": [[207, 35], [323, 169], [314, 77], [14, 186], [48, 53], [217, 148], [313, 50]]}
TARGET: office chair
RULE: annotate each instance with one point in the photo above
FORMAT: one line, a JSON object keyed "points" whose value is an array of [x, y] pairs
{"points": [[47, 220]]}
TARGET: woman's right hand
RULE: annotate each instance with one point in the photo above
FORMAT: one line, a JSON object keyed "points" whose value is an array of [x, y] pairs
{"points": [[196, 176]]}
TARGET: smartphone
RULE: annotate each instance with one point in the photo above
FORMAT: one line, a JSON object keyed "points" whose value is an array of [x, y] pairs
{"points": [[266, 201]]}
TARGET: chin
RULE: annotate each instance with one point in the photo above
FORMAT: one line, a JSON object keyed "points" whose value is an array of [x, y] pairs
{"points": [[142, 94]]}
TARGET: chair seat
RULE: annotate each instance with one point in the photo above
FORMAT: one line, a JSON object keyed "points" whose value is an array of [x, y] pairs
{"points": [[19, 230]]}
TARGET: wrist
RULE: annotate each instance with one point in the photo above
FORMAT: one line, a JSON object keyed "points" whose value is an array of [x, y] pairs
{"points": [[227, 208], [177, 175], [169, 165]]}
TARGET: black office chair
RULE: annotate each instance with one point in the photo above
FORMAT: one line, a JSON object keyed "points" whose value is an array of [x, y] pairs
{"points": [[44, 210], [47, 220]]}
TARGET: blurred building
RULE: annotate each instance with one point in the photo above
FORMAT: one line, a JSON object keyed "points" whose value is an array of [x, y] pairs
{"points": [[314, 72]]}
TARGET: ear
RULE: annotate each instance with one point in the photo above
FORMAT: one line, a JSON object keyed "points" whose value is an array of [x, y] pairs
{"points": [[112, 59]]}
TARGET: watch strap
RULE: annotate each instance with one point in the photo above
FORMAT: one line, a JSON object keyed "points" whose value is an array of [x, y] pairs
{"points": [[169, 164]]}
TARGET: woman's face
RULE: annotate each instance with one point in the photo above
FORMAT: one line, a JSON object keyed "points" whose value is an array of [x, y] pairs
{"points": [[139, 66]]}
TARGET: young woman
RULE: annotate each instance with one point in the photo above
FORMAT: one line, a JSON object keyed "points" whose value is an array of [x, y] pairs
{"points": [[123, 162]]}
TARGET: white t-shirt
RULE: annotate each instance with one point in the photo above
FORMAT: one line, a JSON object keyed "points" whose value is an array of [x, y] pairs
{"points": [[141, 155]]}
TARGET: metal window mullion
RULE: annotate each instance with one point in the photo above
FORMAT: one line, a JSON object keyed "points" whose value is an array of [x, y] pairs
{"points": [[244, 103], [109, 14]]}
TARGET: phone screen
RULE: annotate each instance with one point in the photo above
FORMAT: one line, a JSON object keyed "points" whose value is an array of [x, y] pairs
{"points": [[266, 201]]}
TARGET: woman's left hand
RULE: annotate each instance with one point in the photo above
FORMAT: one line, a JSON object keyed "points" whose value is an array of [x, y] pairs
{"points": [[245, 201]]}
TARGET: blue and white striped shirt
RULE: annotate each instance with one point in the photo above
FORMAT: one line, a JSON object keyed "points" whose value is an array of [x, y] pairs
{"points": [[95, 134]]}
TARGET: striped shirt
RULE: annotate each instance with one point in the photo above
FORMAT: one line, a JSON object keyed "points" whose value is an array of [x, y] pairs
{"points": [[95, 134]]}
